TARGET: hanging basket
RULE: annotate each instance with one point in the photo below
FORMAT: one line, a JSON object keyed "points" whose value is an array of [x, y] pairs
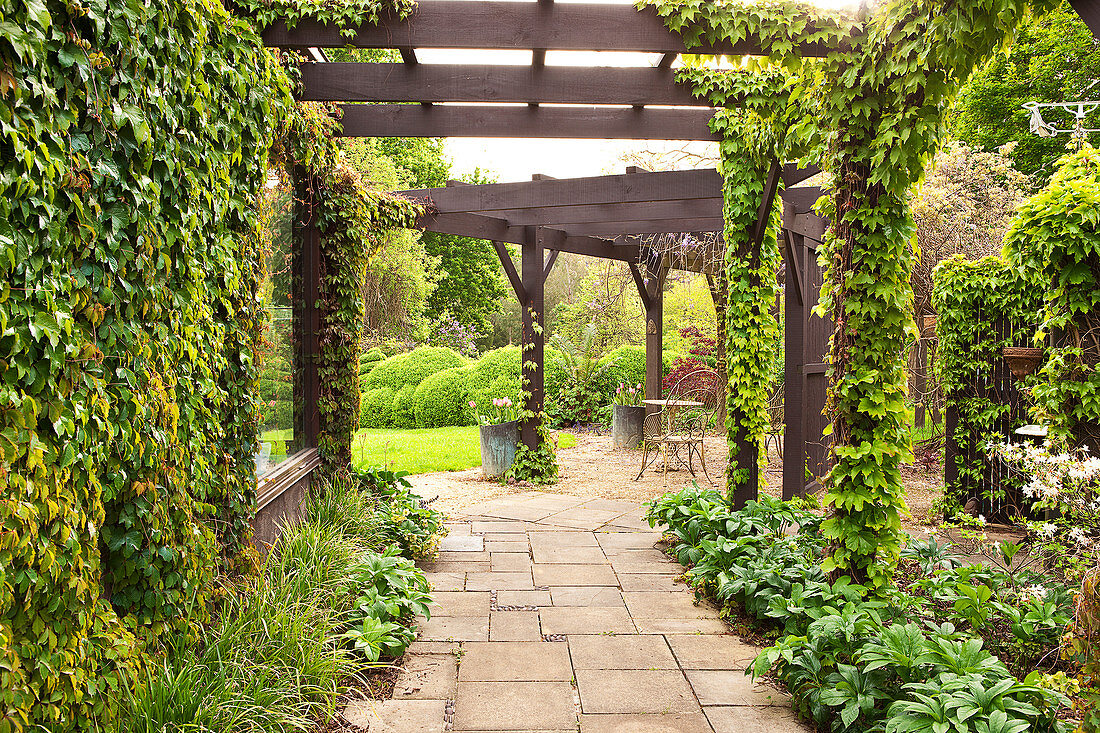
{"points": [[1022, 360]]}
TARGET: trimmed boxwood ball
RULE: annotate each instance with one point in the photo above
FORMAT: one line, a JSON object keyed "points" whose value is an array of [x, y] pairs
{"points": [[627, 366], [376, 408], [403, 407], [270, 389], [441, 399], [412, 368]]}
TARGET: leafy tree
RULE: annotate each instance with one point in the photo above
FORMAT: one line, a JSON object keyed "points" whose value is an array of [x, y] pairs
{"points": [[607, 298], [1054, 59], [963, 207], [470, 279]]}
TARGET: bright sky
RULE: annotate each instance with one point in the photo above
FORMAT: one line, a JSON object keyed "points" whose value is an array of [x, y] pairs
{"points": [[512, 159]]}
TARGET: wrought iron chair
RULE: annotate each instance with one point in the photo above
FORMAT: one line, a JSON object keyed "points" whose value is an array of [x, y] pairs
{"points": [[677, 427], [775, 421]]}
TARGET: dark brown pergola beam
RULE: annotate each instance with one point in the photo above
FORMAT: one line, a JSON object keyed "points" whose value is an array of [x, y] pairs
{"points": [[386, 82], [511, 25], [665, 226], [653, 211], [1089, 11], [591, 123], [793, 175], [479, 226], [703, 183]]}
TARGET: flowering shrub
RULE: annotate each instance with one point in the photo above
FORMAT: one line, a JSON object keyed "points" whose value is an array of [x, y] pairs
{"points": [[448, 331], [1066, 485], [502, 411], [627, 395]]}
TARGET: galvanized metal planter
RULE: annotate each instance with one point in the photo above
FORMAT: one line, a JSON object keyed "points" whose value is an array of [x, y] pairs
{"points": [[498, 448], [626, 425]]}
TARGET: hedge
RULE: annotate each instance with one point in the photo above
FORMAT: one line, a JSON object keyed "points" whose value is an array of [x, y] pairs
{"points": [[412, 367], [441, 399], [377, 408]]}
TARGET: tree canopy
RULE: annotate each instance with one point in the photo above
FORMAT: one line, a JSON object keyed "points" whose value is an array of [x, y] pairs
{"points": [[1053, 59]]}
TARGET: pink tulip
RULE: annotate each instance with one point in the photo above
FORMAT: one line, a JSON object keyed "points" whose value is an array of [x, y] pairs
{"points": [[473, 404]]}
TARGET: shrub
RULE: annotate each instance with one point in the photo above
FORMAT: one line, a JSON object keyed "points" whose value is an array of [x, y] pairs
{"points": [[412, 368], [268, 389], [377, 408], [441, 399], [402, 414], [626, 366]]}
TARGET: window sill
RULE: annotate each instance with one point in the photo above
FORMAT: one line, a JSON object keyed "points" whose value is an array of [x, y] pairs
{"points": [[278, 479]]}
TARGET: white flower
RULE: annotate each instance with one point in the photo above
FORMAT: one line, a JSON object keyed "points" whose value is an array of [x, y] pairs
{"points": [[1047, 530], [981, 519], [1078, 535], [1035, 592]]}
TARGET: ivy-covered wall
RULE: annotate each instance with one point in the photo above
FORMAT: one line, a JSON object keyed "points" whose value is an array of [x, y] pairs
{"points": [[1054, 240], [134, 140], [983, 306]]}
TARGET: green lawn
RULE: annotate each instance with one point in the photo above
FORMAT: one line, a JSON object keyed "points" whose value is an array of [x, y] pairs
{"points": [[423, 450]]}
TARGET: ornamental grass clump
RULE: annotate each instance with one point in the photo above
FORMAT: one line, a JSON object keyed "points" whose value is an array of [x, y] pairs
{"points": [[333, 598]]}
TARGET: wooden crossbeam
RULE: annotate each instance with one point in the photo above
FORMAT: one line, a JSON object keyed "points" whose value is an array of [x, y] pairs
{"points": [[654, 211], [703, 183], [510, 269], [600, 123], [1089, 11], [480, 226], [661, 226], [386, 82], [512, 25], [793, 174]]}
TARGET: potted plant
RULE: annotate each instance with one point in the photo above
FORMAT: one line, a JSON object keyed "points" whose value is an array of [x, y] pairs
{"points": [[499, 436], [1022, 360], [627, 416]]}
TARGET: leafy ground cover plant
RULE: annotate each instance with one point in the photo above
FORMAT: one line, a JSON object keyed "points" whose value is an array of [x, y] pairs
{"points": [[949, 646], [337, 595]]}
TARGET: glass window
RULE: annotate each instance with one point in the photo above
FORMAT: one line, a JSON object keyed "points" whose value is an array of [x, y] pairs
{"points": [[278, 346]]}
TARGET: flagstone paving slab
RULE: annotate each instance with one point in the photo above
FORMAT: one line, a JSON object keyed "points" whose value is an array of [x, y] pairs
{"points": [[574, 622], [579, 620], [649, 581], [518, 562], [427, 677], [455, 628], [397, 716], [514, 706], [592, 596], [499, 581], [514, 626], [772, 719], [515, 661], [732, 687], [642, 723], [634, 691], [666, 604], [709, 651], [627, 651], [451, 603], [574, 575], [572, 555], [461, 543], [523, 598]]}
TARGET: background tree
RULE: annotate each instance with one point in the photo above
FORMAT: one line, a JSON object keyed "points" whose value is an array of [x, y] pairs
{"points": [[470, 281], [1054, 59]]}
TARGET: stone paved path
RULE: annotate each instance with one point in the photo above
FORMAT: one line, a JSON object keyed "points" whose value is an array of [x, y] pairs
{"points": [[557, 613]]}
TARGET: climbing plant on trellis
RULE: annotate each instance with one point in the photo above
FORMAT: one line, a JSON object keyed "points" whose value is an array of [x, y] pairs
{"points": [[876, 104]]}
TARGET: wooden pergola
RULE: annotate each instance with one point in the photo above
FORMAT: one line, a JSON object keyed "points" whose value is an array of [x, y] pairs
{"points": [[604, 216]]}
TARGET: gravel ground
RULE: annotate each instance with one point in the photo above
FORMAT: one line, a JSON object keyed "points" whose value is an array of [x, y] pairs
{"points": [[595, 468]]}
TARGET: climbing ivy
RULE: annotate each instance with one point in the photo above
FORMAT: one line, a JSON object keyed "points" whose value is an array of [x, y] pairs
{"points": [[135, 137], [875, 99], [537, 465], [754, 131], [969, 298], [1054, 241]]}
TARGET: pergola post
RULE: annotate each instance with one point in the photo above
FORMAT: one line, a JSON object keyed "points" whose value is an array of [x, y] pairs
{"points": [[533, 275], [654, 334], [306, 323]]}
